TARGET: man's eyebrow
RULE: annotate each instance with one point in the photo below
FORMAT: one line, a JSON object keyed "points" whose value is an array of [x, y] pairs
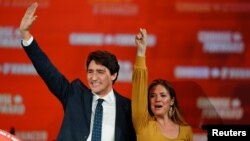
{"points": [[101, 69]]}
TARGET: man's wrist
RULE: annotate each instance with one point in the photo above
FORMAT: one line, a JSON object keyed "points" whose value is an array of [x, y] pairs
{"points": [[25, 34], [27, 42]]}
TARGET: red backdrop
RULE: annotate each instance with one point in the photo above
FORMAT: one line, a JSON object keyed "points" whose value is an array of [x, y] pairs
{"points": [[201, 46]]}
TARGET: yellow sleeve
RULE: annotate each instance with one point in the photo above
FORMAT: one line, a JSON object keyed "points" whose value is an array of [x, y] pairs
{"points": [[139, 93]]}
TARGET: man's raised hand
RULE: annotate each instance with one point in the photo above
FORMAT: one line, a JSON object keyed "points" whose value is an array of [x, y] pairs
{"points": [[28, 20]]}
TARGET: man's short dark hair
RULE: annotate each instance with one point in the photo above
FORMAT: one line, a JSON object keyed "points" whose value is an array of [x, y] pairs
{"points": [[106, 59]]}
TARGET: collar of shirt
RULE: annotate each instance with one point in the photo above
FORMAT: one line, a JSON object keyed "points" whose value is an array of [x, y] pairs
{"points": [[108, 99]]}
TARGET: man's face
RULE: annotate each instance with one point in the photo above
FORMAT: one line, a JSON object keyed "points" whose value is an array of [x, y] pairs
{"points": [[99, 78]]}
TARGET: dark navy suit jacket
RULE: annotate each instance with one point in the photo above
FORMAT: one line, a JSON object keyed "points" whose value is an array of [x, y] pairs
{"points": [[76, 99]]}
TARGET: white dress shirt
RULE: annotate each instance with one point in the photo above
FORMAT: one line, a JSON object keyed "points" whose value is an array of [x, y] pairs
{"points": [[108, 123]]}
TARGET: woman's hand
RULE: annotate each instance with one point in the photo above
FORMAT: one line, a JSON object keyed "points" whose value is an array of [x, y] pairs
{"points": [[141, 42]]}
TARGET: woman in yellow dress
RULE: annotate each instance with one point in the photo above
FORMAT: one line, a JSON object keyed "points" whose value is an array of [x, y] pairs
{"points": [[155, 110]]}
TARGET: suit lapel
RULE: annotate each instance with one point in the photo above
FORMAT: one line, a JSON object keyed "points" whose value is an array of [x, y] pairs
{"points": [[88, 97]]}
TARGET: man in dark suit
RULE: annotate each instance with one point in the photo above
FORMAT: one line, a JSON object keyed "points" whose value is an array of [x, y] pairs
{"points": [[78, 101]]}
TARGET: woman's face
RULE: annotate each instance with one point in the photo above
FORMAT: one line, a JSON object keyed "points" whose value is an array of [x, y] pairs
{"points": [[160, 100]]}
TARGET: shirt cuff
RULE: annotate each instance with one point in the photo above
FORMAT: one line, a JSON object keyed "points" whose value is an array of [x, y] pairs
{"points": [[27, 42], [140, 61]]}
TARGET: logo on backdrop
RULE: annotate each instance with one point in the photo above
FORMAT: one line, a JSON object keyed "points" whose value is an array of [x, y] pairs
{"points": [[125, 74], [209, 7], [17, 69], [22, 3], [114, 7], [33, 135], [205, 72], [221, 41], [221, 107], [9, 37], [11, 104], [100, 39]]}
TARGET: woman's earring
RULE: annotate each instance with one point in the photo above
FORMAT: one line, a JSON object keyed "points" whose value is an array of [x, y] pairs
{"points": [[170, 112]]}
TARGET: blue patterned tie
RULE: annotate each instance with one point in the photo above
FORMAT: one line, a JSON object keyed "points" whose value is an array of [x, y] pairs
{"points": [[97, 126]]}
